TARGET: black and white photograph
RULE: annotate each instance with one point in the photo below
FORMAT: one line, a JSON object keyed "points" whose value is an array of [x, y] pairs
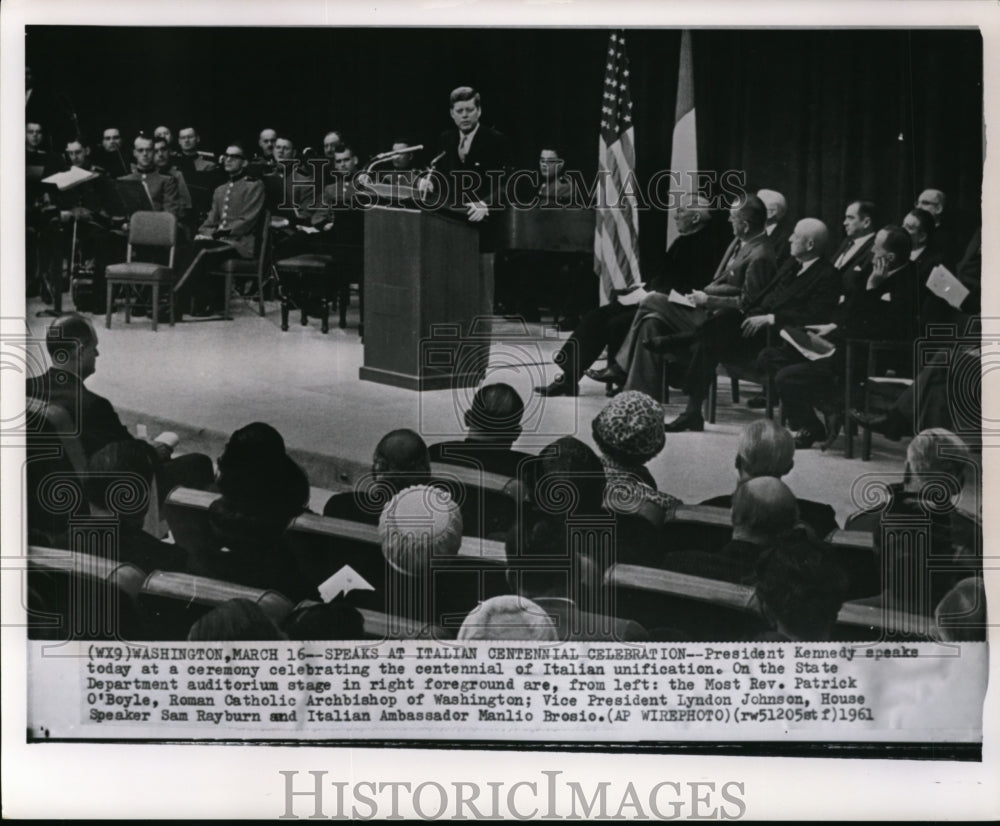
{"points": [[581, 408]]}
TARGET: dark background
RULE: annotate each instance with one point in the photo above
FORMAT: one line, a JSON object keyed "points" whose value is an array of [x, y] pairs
{"points": [[823, 116]]}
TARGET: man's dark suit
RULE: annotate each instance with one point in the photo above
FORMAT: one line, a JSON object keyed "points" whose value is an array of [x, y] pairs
{"points": [[489, 151], [857, 264], [778, 238]]}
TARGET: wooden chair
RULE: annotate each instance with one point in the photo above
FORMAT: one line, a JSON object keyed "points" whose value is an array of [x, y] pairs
{"points": [[880, 388], [146, 229], [300, 276], [78, 596], [232, 268]]}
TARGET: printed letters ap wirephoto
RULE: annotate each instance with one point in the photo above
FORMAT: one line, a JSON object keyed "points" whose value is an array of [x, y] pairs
{"points": [[589, 661]]}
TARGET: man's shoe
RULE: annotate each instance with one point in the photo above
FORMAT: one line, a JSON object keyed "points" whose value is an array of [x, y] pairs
{"points": [[558, 387], [833, 422], [686, 421], [203, 312], [807, 437], [757, 402], [611, 373], [664, 344], [886, 425]]}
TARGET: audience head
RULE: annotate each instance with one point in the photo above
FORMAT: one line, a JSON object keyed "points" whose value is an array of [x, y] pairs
{"points": [[931, 200], [893, 245], [111, 139], [142, 151], [238, 620], [161, 153], [466, 108], [859, 219], [566, 462], [78, 153], [508, 617], [331, 142], [118, 480], [629, 430], [234, 161], [256, 473], [266, 141], [747, 216], [765, 449], [800, 589], [774, 203], [188, 139], [405, 160], [401, 459], [960, 616], [934, 455], [344, 160], [163, 133], [809, 239], [284, 148], [72, 344], [33, 135], [417, 523], [764, 509], [919, 225], [495, 413], [692, 213], [336, 620]]}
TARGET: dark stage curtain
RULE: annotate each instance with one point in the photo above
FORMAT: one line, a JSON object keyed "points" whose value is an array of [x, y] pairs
{"points": [[823, 116]]}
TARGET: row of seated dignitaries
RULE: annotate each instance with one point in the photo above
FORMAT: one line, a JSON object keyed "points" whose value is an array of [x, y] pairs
{"points": [[703, 310], [262, 489]]}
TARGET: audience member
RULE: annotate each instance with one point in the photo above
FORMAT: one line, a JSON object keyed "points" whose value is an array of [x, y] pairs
{"points": [[494, 424], [854, 256], [238, 620], [960, 616], [508, 617], [799, 591], [629, 433], [262, 489], [110, 156], [119, 484], [945, 241], [72, 344], [336, 620], [190, 160], [764, 512], [163, 133], [265, 159], [161, 189], [401, 460], [768, 449]]}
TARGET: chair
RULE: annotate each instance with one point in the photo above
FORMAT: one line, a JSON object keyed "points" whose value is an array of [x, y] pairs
{"points": [[146, 229], [296, 272], [880, 391], [738, 372], [230, 268]]}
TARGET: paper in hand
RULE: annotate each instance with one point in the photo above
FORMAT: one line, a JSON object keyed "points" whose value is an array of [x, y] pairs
{"points": [[343, 582], [676, 298], [944, 285], [809, 344]]}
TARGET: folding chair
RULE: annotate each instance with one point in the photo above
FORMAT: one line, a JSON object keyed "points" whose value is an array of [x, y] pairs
{"points": [[146, 229]]}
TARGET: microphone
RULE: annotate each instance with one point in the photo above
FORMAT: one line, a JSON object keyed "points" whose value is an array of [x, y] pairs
{"points": [[392, 153], [434, 162]]}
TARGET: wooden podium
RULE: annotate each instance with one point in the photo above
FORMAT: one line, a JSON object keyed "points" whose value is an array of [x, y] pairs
{"points": [[424, 295]]}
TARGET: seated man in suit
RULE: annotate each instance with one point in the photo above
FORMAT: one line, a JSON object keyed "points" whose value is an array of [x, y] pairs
{"points": [[72, 344], [686, 266], [777, 229], [804, 292], [854, 256], [554, 573], [400, 461], [117, 467], [880, 306], [494, 423], [764, 511], [229, 230], [945, 241], [800, 591], [745, 269], [768, 449]]}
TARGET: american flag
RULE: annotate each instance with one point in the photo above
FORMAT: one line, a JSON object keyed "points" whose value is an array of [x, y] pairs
{"points": [[616, 235]]}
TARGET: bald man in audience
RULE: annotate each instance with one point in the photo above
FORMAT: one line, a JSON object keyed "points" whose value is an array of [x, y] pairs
{"points": [[766, 449], [778, 231], [804, 292], [919, 225], [764, 511], [508, 617]]}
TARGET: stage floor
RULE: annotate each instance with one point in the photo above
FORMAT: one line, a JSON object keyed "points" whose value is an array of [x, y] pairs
{"points": [[208, 378]]}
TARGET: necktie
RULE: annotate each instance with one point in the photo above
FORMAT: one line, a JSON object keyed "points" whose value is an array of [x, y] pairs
{"points": [[844, 256], [463, 146]]}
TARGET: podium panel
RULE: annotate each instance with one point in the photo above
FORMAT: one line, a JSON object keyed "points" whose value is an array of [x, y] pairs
{"points": [[423, 290]]}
